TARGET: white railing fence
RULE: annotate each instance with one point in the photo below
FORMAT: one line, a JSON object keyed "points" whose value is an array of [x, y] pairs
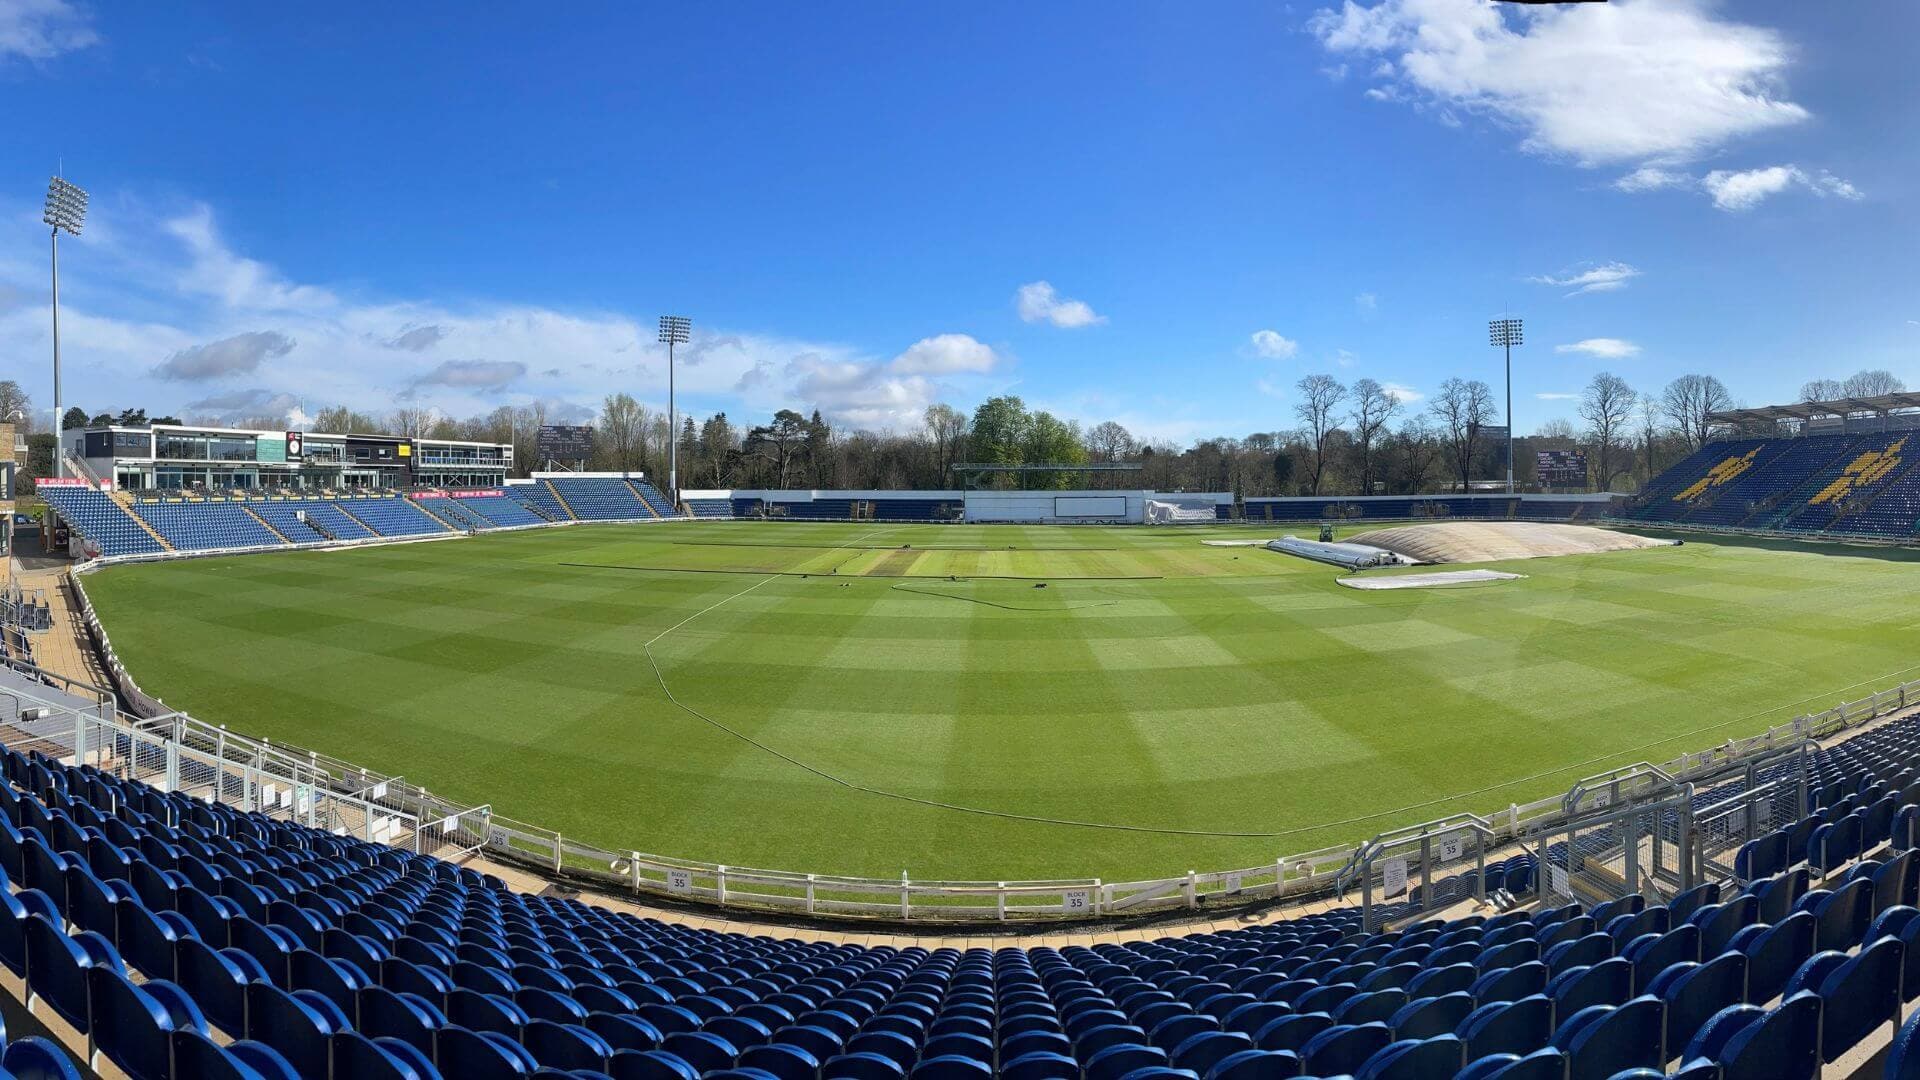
{"points": [[424, 821]]}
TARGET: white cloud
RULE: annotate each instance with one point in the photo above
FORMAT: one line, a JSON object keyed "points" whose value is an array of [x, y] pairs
{"points": [[1407, 394], [1366, 303], [229, 356], [1271, 345], [1604, 348], [1633, 81], [1037, 301], [1556, 396], [238, 282], [1607, 277], [230, 317], [1744, 190], [1652, 178], [945, 354], [42, 29]]}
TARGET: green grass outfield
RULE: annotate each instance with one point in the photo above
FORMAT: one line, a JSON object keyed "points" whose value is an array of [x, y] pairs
{"points": [[1192, 707]]}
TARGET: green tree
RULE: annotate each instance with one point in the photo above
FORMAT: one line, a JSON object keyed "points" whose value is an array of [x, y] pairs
{"points": [[76, 417], [1052, 441], [1001, 428]]}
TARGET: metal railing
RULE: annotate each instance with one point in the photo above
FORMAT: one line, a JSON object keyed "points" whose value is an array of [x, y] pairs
{"points": [[449, 828]]}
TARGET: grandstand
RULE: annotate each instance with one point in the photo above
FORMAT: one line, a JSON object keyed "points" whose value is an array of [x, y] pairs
{"points": [[1856, 485], [185, 936]]}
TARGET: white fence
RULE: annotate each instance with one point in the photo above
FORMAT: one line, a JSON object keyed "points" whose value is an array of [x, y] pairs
{"points": [[441, 826]]}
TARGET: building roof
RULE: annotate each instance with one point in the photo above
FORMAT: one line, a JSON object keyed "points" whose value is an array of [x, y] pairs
{"points": [[1808, 410]]}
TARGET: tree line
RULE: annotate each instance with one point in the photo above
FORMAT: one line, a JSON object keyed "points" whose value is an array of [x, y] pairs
{"points": [[1346, 439]]}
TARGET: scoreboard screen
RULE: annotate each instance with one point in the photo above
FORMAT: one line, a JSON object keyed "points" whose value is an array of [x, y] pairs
{"points": [[565, 442], [1561, 467]]}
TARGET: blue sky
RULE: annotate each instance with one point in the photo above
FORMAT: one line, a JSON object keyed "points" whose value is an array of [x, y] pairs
{"points": [[1161, 214]]}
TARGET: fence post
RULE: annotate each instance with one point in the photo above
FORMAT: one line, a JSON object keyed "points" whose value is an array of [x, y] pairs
{"points": [[1000, 901], [809, 894], [906, 898], [1192, 889], [79, 738], [1099, 891], [557, 846], [720, 884]]}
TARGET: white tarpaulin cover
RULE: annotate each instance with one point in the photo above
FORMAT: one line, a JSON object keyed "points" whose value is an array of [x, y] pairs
{"points": [[1351, 556], [1427, 581], [1179, 512]]}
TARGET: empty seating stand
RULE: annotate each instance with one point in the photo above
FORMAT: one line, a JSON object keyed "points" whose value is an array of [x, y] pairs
{"points": [[539, 500], [99, 519], [498, 511], [601, 498], [657, 499], [205, 525], [1847, 484], [194, 939], [324, 519], [391, 515]]}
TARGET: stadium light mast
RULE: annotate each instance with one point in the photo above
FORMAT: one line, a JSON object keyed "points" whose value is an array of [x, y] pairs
{"points": [[674, 329], [66, 210], [1505, 334]]}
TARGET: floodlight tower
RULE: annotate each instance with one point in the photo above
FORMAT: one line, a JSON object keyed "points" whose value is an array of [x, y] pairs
{"points": [[674, 329], [1505, 334], [66, 210]]}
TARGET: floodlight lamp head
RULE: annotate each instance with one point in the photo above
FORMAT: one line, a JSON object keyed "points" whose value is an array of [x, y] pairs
{"points": [[66, 207], [675, 329], [1503, 332]]}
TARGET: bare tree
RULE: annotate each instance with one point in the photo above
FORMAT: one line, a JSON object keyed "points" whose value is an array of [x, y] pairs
{"points": [[1463, 407], [412, 422], [1688, 399], [1651, 413], [1108, 441], [1822, 390], [1871, 383], [947, 429], [1373, 406], [1415, 446], [1319, 396], [1606, 407], [620, 431]]}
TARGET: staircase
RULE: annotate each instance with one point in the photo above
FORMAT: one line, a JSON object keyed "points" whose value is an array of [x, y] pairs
{"points": [[1795, 499], [265, 524], [341, 505], [126, 503], [561, 499], [651, 509], [443, 519]]}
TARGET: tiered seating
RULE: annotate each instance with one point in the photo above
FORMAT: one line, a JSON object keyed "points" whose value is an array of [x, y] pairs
{"points": [[98, 518], [916, 509], [1775, 471], [1893, 513], [155, 922], [814, 510], [1662, 499], [499, 511], [539, 499], [325, 519], [1851, 480], [394, 516], [451, 512], [711, 508], [661, 504], [205, 526], [600, 498]]}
